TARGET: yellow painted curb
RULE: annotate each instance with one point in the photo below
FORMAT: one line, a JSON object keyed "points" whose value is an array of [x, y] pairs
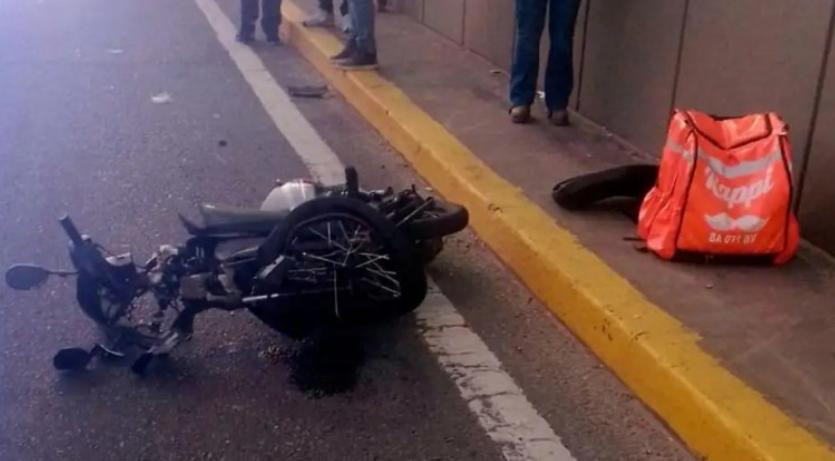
{"points": [[713, 411]]}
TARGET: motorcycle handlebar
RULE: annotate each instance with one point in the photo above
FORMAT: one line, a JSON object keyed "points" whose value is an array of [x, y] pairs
{"points": [[71, 230]]}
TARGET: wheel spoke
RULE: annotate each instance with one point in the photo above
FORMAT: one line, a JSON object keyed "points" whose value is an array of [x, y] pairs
{"points": [[344, 232], [372, 258], [327, 238], [384, 275], [380, 286], [314, 270], [338, 252], [378, 267], [320, 258]]}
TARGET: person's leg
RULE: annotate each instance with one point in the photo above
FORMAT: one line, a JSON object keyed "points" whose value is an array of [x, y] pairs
{"points": [[362, 14], [530, 21], [271, 19], [348, 51], [362, 37], [350, 48], [349, 25], [559, 74], [323, 17], [346, 22], [352, 20], [249, 13]]}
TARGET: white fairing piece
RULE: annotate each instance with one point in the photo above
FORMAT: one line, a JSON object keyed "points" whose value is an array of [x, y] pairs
{"points": [[289, 195]]}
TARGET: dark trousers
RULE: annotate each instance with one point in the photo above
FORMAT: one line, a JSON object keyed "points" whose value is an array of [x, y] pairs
{"points": [[270, 17], [559, 73]]}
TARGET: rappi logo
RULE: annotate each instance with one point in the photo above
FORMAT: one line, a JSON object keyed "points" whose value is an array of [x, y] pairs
{"points": [[742, 229], [739, 195]]}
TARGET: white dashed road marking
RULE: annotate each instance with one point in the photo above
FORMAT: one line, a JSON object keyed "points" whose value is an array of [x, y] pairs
{"points": [[500, 405], [311, 148], [491, 394]]}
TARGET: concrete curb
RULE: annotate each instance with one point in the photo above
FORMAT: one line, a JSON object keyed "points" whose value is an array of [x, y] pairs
{"points": [[714, 412]]}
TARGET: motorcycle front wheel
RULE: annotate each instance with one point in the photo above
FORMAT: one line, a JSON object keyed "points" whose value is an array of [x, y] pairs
{"points": [[343, 262]]}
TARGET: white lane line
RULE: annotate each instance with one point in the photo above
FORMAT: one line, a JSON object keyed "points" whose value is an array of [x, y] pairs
{"points": [[498, 403], [312, 149]]}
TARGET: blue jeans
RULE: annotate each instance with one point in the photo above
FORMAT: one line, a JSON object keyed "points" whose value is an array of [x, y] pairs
{"points": [[362, 25], [270, 17], [559, 73]]}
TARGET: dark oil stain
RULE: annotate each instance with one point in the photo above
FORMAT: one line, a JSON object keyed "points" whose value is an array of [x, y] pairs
{"points": [[326, 364]]}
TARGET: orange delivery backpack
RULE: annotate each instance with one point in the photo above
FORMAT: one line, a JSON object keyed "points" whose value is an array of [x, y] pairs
{"points": [[724, 187]]}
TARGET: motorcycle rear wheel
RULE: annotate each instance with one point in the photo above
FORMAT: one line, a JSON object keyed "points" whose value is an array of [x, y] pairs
{"points": [[337, 241]]}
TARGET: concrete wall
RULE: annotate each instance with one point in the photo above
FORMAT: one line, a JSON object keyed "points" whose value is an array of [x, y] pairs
{"points": [[637, 59]]}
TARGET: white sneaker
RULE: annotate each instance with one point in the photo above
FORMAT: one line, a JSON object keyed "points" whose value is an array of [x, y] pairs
{"points": [[320, 19]]}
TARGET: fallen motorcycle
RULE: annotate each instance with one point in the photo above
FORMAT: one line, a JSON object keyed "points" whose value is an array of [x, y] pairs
{"points": [[311, 256]]}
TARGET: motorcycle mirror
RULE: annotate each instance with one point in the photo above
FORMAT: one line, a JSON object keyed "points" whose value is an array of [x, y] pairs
{"points": [[26, 276], [74, 358]]}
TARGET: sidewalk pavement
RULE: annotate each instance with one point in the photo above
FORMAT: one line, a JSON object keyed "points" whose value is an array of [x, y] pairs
{"points": [[737, 360]]}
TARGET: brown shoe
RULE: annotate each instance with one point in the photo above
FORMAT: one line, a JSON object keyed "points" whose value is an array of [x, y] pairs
{"points": [[520, 114], [347, 52], [358, 61], [559, 117]]}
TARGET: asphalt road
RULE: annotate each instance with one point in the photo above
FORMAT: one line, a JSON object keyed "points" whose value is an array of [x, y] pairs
{"points": [[124, 112]]}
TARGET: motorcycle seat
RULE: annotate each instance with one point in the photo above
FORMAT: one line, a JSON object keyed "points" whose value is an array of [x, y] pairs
{"points": [[233, 221]]}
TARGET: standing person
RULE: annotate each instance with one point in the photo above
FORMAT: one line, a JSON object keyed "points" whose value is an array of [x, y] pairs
{"points": [[360, 51], [270, 20], [324, 17], [559, 73]]}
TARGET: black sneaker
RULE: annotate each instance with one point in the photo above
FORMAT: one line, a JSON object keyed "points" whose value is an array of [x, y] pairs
{"points": [[245, 38], [274, 41], [358, 61], [347, 52]]}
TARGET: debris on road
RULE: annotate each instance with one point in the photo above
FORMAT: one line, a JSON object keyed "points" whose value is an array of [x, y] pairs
{"points": [[115, 50], [308, 91], [274, 353], [161, 98]]}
